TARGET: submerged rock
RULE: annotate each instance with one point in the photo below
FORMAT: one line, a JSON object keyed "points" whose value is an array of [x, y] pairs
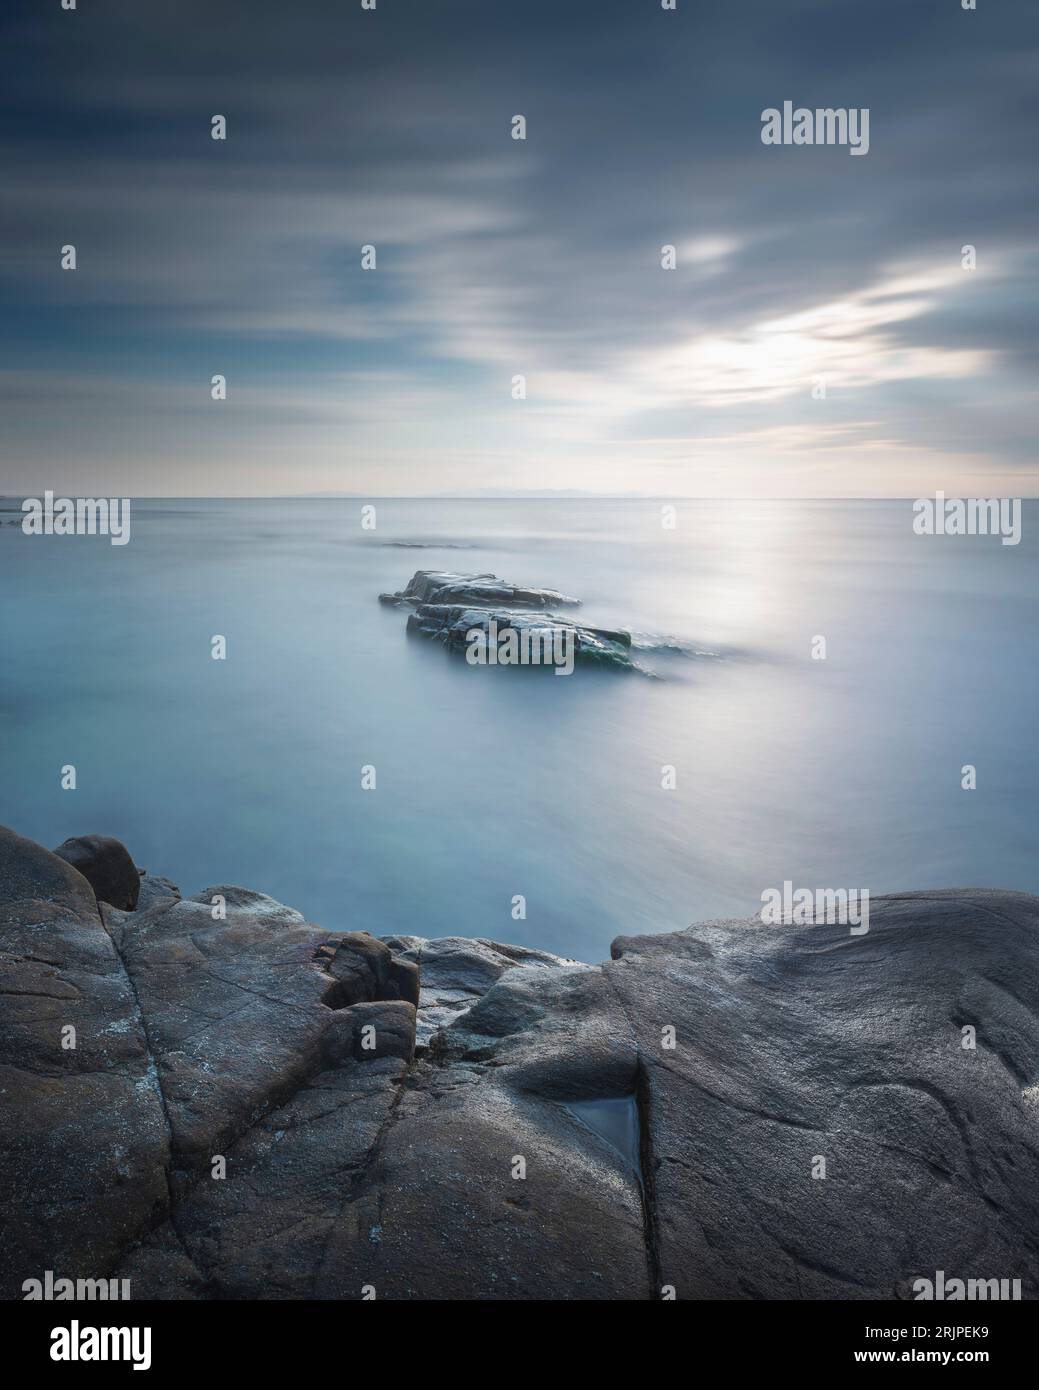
{"points": [[519, 639], [733, 1111], [439, 586]]}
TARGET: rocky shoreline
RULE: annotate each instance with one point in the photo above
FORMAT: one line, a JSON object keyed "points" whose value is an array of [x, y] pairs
{"points": [[213, 1098]]}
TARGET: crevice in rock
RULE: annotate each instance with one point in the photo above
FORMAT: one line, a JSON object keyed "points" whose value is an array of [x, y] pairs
{"points": [[156, 1080], [361, 1175], [183, 1174], [339, 995], [647, 1158], [648, 1167], [38, 994], [256, 993]]}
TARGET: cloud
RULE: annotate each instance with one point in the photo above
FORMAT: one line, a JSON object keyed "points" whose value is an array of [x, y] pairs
{"points": [[498, 257]]}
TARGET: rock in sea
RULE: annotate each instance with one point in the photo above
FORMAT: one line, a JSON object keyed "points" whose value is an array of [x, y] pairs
{"points": [[474, 590], [542, 633]]}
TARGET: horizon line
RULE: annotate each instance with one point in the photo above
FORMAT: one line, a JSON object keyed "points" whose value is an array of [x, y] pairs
{"points": [[513, 497]]}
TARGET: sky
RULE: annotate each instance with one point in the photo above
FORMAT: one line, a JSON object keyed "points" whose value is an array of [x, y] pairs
{"points": [[800, 269]]}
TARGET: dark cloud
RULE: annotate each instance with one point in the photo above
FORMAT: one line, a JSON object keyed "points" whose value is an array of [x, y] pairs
{"points": [[498, 257]]}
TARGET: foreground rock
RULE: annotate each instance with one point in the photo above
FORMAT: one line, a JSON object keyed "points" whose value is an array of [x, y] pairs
{"points": [[549, 1130], [514, 639], [474, 590], [84, 1143]]}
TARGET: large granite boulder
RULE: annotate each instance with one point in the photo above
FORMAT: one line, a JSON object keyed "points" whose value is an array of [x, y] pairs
{"points": [[734, 1111], [106, 865], [367, 969]]}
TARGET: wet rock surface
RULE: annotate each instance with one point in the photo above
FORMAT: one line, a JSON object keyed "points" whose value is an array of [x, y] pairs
{"points": [[537, 1128], [474, 591], [512, 639], [491, 621]]}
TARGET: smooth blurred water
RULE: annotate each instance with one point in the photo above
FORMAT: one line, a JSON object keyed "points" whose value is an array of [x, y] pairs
{"points": [[837, 773]]}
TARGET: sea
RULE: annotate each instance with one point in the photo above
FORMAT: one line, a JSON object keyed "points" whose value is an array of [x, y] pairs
{"points": [[821, 696]]}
